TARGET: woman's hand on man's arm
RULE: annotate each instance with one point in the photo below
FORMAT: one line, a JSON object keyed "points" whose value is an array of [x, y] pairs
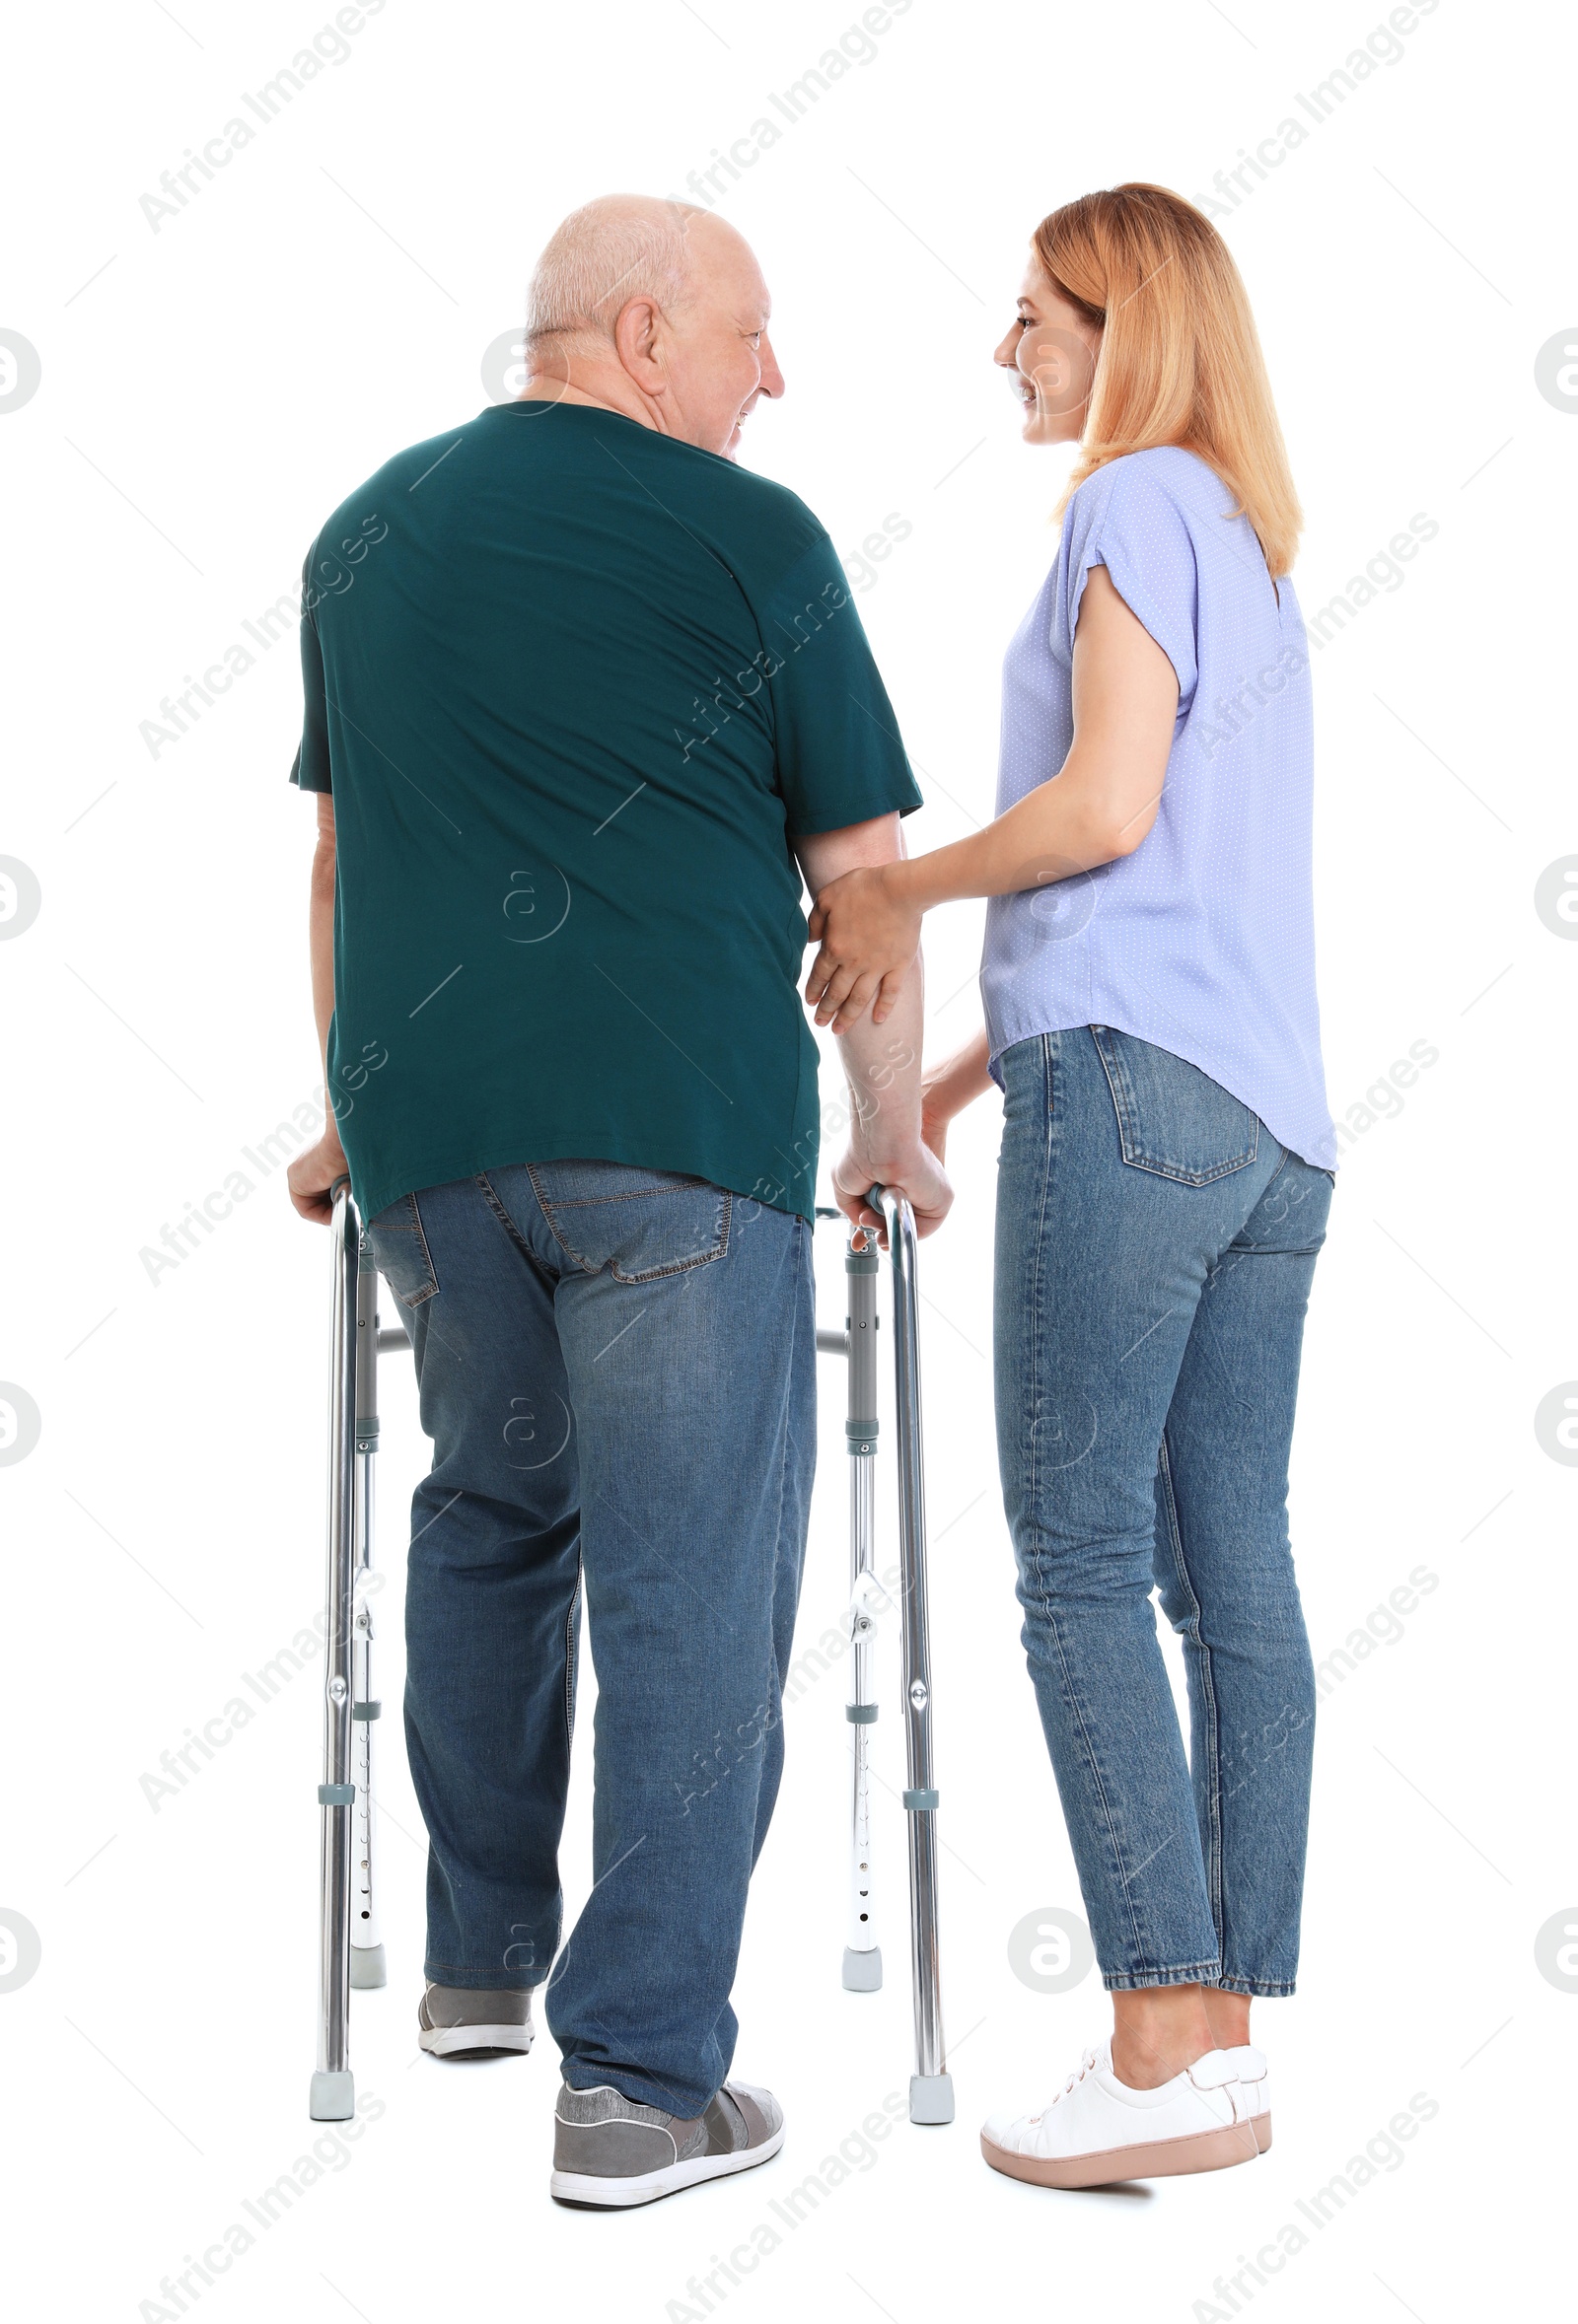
{"points": [[1099, 805], [869, 934], [882, 1068]]}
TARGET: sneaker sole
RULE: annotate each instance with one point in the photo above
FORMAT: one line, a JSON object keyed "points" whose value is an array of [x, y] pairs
{"points": [[619, 2194], [1260, 2125], [475, 2041], [1158, 2159]]}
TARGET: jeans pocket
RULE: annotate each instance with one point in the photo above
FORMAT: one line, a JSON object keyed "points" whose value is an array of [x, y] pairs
{"points": [[640, 1224], [400, 1254], [1172, 1118]]}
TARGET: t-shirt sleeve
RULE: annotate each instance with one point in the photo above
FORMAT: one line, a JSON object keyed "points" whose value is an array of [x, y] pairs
{"points": [[839, 756], [311, 769], [1137, 530]]}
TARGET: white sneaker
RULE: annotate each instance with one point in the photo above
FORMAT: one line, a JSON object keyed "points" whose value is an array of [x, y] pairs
{"points": [[1098, 2131], [1249, 2063]]}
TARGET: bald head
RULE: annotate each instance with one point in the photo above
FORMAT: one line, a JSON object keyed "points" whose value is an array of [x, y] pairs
{"points": [[656, 309], [622, 246]]}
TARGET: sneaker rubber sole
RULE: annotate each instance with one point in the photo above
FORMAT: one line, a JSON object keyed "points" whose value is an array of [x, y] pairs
{"points": [[1157, 2158], [616, 2193], [475, 2041]]}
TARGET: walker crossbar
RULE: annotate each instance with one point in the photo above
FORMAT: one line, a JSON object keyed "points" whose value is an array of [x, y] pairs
{"points": [[931, 2089]]}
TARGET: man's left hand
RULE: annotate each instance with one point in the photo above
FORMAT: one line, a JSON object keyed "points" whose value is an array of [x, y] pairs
{"points": [[919, 1177], [312, 1175]]}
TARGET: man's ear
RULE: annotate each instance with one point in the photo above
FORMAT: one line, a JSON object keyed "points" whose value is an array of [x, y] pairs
{"points": [[636, 337]]}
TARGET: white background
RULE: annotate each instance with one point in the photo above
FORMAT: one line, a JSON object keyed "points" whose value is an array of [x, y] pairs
{"points": [[209, 391]]}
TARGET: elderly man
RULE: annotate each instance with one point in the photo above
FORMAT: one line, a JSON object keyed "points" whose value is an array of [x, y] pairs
{"points": [[583, 701]]}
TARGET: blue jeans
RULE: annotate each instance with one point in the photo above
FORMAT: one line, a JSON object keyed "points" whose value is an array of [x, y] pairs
{"points": [[1154, 1246], [618, 1372]]}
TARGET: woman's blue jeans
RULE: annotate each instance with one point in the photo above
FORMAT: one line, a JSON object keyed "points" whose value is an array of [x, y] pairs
{"points": [[1155, 1247]]}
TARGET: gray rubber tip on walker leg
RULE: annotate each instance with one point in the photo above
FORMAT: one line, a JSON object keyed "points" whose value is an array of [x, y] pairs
{"points": [[931, 2098], [369, 1968], [863, 1971], [333, 2097]]}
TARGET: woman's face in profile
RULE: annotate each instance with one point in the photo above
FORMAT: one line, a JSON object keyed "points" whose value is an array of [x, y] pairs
{"points": [[1050, 351]]}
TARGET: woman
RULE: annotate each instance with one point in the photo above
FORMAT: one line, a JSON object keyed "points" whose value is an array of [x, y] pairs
{"points": [[1166, 1164]]}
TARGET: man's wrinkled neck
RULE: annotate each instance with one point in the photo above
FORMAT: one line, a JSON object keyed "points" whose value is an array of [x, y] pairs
{"points": [[601, 388]]}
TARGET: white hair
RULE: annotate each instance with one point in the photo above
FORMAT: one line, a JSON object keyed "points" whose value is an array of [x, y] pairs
{"points": [[622, 246]]}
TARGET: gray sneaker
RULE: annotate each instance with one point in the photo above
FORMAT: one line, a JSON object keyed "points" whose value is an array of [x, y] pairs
{"points": [[611, 2153], [453, 2023]]}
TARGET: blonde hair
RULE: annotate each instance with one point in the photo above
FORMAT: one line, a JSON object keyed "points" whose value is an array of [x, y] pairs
{"points": [[1181, 358]]}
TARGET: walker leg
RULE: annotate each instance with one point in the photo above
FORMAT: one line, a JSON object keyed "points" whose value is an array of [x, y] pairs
{"points": [[334, 2095], [368, 1965], [931, 2089], [862, 1954]]}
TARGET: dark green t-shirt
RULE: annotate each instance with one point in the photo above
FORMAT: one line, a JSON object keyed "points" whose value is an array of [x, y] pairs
{"points": [[573, 687]]}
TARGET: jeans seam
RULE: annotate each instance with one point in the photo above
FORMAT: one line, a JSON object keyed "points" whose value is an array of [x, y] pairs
{"points": [[775, 1678], [1214, 1867], [594, 1202], [1111, 1066], [1049, 1092], [1225, 1261], [490, 1197], [569, 1658], [461, 1969], [572, 1255], [1287, 1157], [1141, 1979], [430, 1288]]}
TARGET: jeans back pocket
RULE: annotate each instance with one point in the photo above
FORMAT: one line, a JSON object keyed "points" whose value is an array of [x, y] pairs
{"points": [[1172, 1118], [400, 1254], [642, 1224]]}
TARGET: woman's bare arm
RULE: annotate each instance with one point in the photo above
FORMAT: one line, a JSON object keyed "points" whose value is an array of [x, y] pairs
{"points": [[1098, 806]]}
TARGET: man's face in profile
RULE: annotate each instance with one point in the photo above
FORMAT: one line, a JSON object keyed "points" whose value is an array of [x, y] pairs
{"points": [[721, 357]]}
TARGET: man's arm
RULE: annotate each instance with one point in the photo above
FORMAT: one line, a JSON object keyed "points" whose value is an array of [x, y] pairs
{"points": [[313, 1173], [320, 925], [882, 1062]]}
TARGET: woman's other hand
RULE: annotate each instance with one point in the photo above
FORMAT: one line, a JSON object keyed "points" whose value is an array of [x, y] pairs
{"points": [[946, 1089], [933, 1129], [869, 935]]}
